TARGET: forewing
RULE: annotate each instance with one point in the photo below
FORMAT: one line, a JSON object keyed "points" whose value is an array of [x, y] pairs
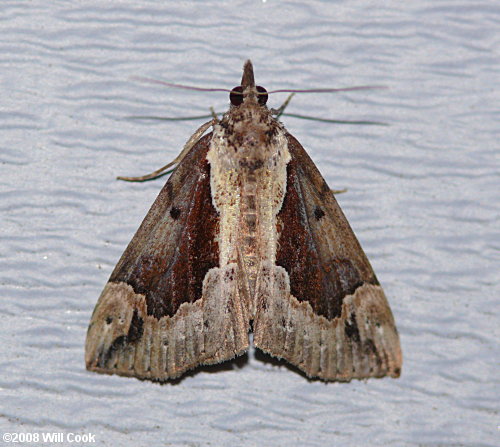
{"points": [[168, 307], [321, 306]]}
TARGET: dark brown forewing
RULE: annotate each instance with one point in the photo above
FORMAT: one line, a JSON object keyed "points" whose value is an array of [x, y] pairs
{"points": [[321, 307], [317, 246], [167, 307], [175, 245]]}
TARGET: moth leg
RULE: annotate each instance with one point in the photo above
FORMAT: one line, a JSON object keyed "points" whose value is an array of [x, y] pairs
{"points": [[214, 114], [338, 191], [279, 111], [187, 147]]}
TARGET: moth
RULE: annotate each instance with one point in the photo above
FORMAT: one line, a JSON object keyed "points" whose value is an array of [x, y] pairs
{"points": [[245, 235]]}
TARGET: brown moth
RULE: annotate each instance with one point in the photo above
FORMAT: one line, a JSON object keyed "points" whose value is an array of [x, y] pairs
{"points": [[245, 234]]}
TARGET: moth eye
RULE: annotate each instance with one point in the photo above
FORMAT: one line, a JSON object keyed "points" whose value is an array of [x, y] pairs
{"points": [[262, 95], [236, 96]]}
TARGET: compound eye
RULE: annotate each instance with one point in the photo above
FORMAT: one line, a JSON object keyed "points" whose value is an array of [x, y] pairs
{"points": [[236, 96], [262, 95]]}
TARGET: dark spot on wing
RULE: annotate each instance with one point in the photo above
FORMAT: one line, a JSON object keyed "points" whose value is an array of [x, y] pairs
{"points": [[105, 356], [175, 213], [318, 213], [135, 329], [351, 328]]}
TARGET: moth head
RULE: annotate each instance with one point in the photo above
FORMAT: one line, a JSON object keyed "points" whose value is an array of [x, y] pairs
{"points": [[248, 91]]}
